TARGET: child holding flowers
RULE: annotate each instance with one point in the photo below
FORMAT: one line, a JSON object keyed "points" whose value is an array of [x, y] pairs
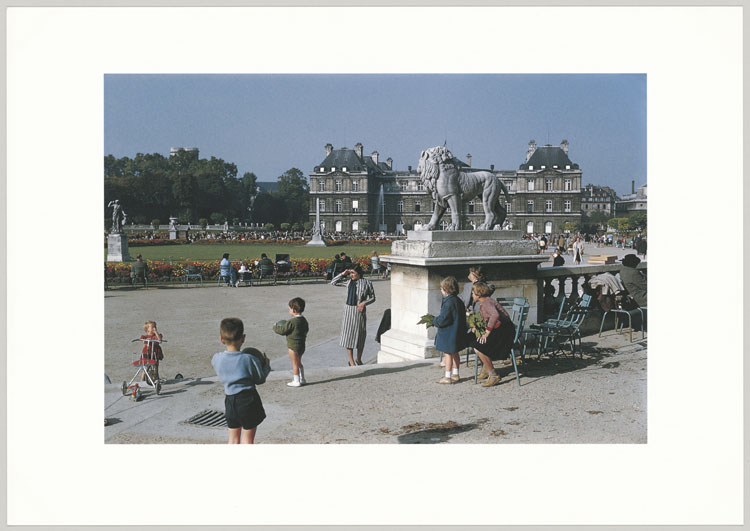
{"points": [[498, 334]]}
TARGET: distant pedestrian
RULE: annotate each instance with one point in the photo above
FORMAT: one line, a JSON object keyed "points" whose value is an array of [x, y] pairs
{"points": [[577, 251], [375, 263], [641, 247], [295, 330], [240, 373], [557, 258]]}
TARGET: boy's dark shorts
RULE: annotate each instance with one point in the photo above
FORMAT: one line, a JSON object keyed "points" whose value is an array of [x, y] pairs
{"points": [[244, 410]]}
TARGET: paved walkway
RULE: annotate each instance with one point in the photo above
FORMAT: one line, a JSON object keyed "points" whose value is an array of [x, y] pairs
{"points": [[599, 397]]}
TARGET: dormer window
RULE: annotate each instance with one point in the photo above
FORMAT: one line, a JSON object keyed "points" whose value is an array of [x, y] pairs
{"points": [[531, 167], [567, 166], [322, 169], [543, 166], [343, 169], [333, 168], [555, 166]]}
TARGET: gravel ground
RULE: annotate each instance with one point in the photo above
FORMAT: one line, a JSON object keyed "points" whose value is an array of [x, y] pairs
{"points": [[600, 398]]}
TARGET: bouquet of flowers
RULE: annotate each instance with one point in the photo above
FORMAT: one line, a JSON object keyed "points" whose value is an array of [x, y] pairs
{"points": [[475, 321], [426, 319]]}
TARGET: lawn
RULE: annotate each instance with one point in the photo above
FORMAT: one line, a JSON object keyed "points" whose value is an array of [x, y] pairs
{"points": [[250, 251]]}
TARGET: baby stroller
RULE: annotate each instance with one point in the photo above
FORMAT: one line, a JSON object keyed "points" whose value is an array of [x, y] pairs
{"points": [[146, 363]]}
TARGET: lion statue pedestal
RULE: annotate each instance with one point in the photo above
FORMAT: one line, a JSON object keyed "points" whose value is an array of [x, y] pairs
{"points": [[420, 262]]}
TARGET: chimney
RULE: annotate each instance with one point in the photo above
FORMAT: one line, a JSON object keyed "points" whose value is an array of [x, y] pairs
{"points": [[358, 150], [532, 148], [389, 161], [564, 146], [329, 148], [632, 187], [592, 190], [492, 167], [468, 159], [409, 169], [375, 157]]}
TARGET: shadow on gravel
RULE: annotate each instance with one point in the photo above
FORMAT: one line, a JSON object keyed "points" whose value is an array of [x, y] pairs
{"points": [[539, 369], [372, 372], [420, 433]]}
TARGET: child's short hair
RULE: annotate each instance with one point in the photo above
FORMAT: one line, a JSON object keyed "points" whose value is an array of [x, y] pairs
{"points": [[480, 289], [449, 285], [231, 329], [147, 324], [297, 304], [358, 269]]}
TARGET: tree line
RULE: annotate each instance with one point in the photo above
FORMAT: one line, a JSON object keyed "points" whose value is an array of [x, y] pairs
{"points": [[154, 187]]}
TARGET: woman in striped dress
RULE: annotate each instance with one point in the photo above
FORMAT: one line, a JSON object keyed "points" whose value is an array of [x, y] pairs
{"points": [[360, 293]]}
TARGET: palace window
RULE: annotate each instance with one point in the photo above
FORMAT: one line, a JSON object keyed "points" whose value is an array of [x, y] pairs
{"points": [[322, 169], [530, 206], [420, 186], [530, 185], [548, 205], [531, 167], [322, 203], [339, 205], [544, 167], [333, 168], [471, 207], [321, 186], [338, 186], [548, 185], [355, 205], [508, 183], [507, 207], [355, 186], [338, 226], [567, 166], [567, 205], [403, 185], [355, 225], [530, 227], [343, 169], [417, 206], [568, 184], [400, 206], [548, 227]]}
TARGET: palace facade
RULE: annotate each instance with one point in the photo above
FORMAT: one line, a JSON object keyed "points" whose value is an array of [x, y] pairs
{"points": [[358, 192]]}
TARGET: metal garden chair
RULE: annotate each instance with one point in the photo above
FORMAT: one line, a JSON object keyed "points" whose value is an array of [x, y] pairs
{"points": [[565, 330], [193, 271]]}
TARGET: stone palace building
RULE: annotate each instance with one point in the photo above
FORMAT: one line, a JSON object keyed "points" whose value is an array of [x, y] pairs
{"points": [[360, 192]]}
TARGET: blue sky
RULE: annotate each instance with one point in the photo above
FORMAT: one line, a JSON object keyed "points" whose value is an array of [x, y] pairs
{"points": [[269, 123]]}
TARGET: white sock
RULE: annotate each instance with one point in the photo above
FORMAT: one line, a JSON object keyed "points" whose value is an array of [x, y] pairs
{"points": [[447, 374], [454, 371], [296, 378]]}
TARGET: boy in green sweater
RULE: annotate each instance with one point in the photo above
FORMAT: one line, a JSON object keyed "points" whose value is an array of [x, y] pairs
{"points": [[295, 330]]}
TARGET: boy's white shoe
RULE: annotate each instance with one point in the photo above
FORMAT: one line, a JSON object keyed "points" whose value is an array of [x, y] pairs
{"points": [[294, 383]]}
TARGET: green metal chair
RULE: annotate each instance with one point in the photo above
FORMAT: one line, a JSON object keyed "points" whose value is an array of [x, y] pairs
{"points": [[565, 330], [193, 271]]}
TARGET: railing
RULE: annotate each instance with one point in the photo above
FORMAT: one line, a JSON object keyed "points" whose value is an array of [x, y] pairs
{"points": [[551, 280]]}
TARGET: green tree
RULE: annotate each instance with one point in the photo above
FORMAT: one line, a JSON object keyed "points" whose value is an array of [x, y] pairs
{"points": [[571, 226], [217, 218], [308, 225], [203, 222], [364, 226], [269, 226], [295, 192], [285, 226], [638, 220], [155, 223]]}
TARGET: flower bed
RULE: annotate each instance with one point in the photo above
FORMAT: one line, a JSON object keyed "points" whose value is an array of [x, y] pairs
{"points": [[161, 271]]}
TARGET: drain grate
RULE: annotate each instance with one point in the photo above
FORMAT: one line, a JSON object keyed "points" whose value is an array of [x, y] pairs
{"points": [[209, 418]]}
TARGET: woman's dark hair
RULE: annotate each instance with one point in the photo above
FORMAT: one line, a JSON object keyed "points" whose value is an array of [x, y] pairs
{"points": [[139, 257], [337, 257], [226, 255], [358, 269], [479, 272]]}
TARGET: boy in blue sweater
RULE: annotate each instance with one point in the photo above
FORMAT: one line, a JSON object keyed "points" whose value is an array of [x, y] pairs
{"points": [[240, 372]]}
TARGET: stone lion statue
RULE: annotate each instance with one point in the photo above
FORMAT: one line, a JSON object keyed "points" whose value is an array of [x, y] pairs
{"points": [[449, 184]]}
